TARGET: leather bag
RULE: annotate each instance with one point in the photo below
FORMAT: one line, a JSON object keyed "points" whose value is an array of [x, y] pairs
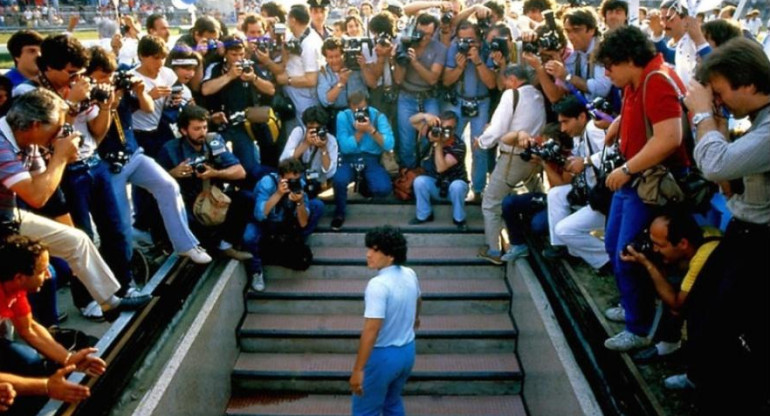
{"points": [[210, 207]]}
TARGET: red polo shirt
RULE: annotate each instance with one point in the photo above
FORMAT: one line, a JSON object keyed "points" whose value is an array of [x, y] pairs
{"points": [[661, 103], [14, 305]]}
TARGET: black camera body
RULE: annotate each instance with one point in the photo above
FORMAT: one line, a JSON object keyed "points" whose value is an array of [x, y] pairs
{"points": [[549, 151], [443, 133], [124, 80], [351, 50], [295, 185], [500, 44], [449, 95], [407, 41], [642, 244], [264, 44], [361, 115], [442, 184], [116, 160], [464, 45], [599, 104], [612, 160], [246, 65], [294, 47], [198, 164], [66, 130], [384, 40], [469, 108], [236, 118], [100, 93], [447, 16], [549, 40], [390, 95], [321, 133]]}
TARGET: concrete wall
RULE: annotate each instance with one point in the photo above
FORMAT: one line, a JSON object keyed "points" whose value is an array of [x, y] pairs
{"points": [[196, 380]]}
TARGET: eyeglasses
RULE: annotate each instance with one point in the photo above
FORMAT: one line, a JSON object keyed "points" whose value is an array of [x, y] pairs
{"points": [[76, 73]]}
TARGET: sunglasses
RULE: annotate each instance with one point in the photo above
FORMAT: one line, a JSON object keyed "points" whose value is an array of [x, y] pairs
{"points": [[75, 74]]}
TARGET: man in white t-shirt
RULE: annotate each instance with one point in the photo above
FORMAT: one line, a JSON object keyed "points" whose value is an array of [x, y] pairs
{"points": [[301, 76], [391, 314]]}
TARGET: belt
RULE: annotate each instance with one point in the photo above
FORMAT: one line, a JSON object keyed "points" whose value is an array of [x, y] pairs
{"points": [[479, 98], [420, 94], [84, 164]]}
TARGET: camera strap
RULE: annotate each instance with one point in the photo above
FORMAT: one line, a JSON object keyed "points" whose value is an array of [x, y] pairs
{"points": [[118, 126]]}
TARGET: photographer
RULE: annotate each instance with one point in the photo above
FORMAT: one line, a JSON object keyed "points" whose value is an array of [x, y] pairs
{"points": [[363, 133], [128, 164], [304, 60], [445, 175], [521, 108], [548, 152], [470, 79], [255, 29], [233, 87], [378, 74], [185, 63], [420, 60], [547, 44], [570, 222], [314, 147], [196, 158], [736, 79], [284, 214], [336, 81]]}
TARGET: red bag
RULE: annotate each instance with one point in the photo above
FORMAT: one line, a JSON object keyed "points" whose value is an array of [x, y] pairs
{"points": [[402, 185]]}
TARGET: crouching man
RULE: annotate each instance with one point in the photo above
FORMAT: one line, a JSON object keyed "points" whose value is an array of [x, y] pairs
{"points": [[284, 217]]}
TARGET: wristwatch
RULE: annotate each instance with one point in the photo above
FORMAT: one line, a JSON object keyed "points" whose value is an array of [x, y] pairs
{"points": [[587, 161], [568, 78], [288, 80], [625, 170], [340, 85], [700, 117]]}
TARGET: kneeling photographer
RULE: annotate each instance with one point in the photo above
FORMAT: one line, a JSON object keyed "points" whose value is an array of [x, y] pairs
{"points": [[445, 175], [128, 163], [284, 216], [200, 161], [233, 87], [315, 147]]}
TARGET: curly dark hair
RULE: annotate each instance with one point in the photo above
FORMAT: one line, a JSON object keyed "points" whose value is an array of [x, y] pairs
{"points": [[315, 114], [383, 22], [624, 44], [389, 241], [538, 5], [18, 254], [608, 5], [59, 50]]}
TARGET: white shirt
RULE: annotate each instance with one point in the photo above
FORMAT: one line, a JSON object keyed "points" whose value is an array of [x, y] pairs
{"points": [[686, 58], [392, 296], [296, 137], [580, 148], [149, 121], [529, 117], [311, 60], [128, 54]]}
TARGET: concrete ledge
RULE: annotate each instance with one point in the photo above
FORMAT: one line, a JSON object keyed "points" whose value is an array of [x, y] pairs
{"points": [[196, 379], [554, 383]]}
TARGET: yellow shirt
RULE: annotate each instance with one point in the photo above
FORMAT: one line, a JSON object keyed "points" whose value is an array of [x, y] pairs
{"points": [[700, 258]]}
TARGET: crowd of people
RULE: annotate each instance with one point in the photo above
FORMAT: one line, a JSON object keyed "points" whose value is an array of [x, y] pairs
{"points": [[560, 121]]}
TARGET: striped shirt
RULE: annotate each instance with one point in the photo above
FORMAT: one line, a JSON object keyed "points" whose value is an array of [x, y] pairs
{"points": [[16, 165]]}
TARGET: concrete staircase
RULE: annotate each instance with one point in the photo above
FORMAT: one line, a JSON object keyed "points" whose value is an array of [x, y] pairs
{"points": [[300, 336]]}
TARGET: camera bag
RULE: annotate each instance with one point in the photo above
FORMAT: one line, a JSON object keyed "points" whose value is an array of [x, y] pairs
{"points": [[211, 204]]}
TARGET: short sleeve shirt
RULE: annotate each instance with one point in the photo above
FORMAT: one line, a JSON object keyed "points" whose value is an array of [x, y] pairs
{"points": [[392, 296], [16, 165], [149, 121], [14, 306], [435, 53]]}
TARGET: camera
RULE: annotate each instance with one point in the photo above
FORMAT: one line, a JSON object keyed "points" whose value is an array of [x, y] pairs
{"points": [[384, 40], [211, 45], [351, 50], [408, 41], [390, 95], [312, 185], [264, 44], [469, 109], [446, 17], [612, 160], [100, 92], [124, 29], [116, 160], [642, 244], [124, 80], [444, 133], [295, 185], [67, 130], [198, 164], [449, 95], [279, 29], [485, 23], [500, 44], [600, 107], [294, 47], [358, 167], [237, 118], [464, 45], [530, 47], [549, 151], [549, 40], [246, 65], [321, 132], [443, 186], [361, 115]]}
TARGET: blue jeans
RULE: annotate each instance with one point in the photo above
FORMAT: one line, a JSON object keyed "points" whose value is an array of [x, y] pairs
{"points": [[142, 171], [385, 374], [628, 216], [483, 159], [247, 152], [376, 178], [254, 232], [408, 105], [425, 189], [89, 193], [517, 209]]}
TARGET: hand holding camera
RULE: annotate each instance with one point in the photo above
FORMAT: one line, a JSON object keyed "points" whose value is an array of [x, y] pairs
{"points": [[67, 145], [160, 91], [80, 90], [556, 69], [344, 75]]}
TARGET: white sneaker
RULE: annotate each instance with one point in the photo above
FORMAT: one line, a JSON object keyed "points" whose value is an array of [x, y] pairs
{"points": [[132, 292], [678, 382], [197, 255], [92, 312], [616, 314], [626, 341], [258, 282]]}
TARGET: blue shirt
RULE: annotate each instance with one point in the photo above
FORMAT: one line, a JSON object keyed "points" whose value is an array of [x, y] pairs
{"points": [[16, 77], [469, 85], [327, 79], [265, 188], [346, 131], [112, 141]]}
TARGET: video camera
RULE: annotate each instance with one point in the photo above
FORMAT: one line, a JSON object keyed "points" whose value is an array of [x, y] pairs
{"points": [[549, 40], [549, 151], [409, 40], [351, 50]]}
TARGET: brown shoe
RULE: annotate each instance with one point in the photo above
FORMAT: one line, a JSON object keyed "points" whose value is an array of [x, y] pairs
{"points": [[237, 255]]}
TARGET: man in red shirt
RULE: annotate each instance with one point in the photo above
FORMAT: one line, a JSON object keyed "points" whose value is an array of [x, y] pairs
{"points": [[30, 368], [629, 58]]}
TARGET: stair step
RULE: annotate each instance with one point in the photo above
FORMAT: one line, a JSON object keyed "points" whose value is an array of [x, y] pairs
{"points": [[404, 209], [444, 256], [448, 374], [349, 239], [361, 223], [362, 272], [339, 405], [345, 296], [340, 333]]}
